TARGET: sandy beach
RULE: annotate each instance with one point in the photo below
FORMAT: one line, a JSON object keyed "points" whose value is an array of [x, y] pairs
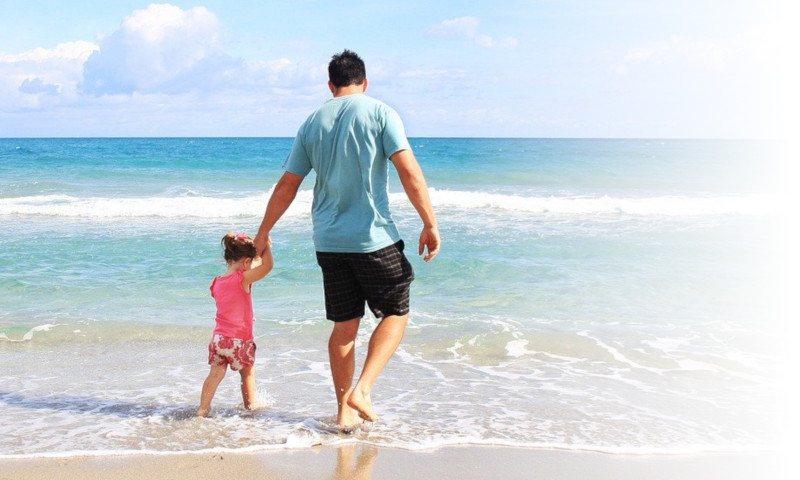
{"points": [[367, 462]]}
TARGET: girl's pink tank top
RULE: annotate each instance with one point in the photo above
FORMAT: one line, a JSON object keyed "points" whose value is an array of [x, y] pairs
{"points": [[234, 307]]}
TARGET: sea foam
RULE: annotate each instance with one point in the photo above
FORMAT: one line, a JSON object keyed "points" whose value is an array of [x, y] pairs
{"points": [[200, 206]]}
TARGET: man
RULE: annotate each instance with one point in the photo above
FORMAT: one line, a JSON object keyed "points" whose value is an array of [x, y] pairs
{"points": [[348, 142]]}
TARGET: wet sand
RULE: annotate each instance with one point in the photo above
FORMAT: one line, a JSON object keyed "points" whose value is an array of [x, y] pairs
{"points": [[367, 462]]}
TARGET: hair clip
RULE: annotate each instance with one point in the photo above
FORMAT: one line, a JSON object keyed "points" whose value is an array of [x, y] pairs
{"points": [[241, 236]]}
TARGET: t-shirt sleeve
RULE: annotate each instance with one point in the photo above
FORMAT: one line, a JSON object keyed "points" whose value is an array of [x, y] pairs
{"points": [[298, 161], [394, 134]]}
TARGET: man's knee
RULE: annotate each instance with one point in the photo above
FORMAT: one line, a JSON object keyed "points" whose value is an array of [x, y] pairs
{"points": [[346, 330], [395, 321]]}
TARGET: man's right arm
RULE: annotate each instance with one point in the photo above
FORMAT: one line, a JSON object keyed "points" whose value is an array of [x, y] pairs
{"points": [[282, 196]]}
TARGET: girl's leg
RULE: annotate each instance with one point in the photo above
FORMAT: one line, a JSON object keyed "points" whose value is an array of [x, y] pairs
{"points": [[248, 386], [215, 376]]}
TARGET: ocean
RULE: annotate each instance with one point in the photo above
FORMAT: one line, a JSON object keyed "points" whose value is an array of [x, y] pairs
{"points": [[619, 296]]}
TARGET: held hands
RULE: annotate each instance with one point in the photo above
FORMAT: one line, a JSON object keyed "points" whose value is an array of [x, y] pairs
{"points": [[262, 244], [429, 238]]}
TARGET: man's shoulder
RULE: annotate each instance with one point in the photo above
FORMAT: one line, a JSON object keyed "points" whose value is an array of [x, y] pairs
{"points": [[380, 104], [377, 110], [358, 101], [365, 101]]}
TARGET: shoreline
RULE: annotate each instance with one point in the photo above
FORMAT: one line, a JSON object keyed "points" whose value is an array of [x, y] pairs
{"points": [[368, 462]]}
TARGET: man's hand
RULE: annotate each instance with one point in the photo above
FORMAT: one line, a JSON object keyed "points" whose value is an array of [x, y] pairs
{"points": [[429, 238], [262, 243]]}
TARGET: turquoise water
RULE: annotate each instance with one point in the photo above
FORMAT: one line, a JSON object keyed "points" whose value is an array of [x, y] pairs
{"points": [[607, 295]]}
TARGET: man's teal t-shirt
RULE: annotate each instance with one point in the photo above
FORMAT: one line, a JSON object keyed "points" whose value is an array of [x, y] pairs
{"points": [[348, 142]]}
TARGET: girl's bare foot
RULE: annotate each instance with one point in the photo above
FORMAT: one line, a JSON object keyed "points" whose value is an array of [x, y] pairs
{"points": [[203, 412]]}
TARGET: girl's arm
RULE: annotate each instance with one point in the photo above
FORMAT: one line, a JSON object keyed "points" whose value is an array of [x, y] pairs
{"points": [[257, 273]]}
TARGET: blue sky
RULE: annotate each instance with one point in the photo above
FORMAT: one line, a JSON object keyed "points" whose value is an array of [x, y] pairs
{"points": [[518, 68]]}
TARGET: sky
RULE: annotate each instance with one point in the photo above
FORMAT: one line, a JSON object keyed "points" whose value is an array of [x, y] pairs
{"points": [[459, 68]]}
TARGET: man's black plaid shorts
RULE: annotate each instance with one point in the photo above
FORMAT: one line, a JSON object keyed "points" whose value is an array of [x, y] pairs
{"points": [[381, 278]]}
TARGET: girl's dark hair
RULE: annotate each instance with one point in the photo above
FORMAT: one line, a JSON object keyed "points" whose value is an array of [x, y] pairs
{"points": [[238, 246], [346, 68]]}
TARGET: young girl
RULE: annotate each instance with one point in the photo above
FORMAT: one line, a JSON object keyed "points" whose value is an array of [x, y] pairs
{"points": [[232, 342]]}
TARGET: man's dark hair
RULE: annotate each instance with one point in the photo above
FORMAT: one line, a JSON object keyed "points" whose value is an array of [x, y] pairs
{"points": [[346, 68]]}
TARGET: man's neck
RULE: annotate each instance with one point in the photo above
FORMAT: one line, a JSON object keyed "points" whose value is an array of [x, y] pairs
{"points": [[349, 90]]}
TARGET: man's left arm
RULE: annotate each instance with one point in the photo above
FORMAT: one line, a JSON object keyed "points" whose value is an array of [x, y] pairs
{"points": [[416, 189]]}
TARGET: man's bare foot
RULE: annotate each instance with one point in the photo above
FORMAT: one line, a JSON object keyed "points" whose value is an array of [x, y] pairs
{"points": [[363, 405], [347, 430], [347, 419]]}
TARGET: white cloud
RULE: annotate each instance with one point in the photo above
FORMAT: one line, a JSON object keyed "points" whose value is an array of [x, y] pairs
{"points": [[712, 55], [80, 50], [489, 42], [744, 82], [763, 48], [285, 73], [433, 73], [42, 76], [37, 85], [467, 27], [461, 26], [164, 70], [161, 49]]}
